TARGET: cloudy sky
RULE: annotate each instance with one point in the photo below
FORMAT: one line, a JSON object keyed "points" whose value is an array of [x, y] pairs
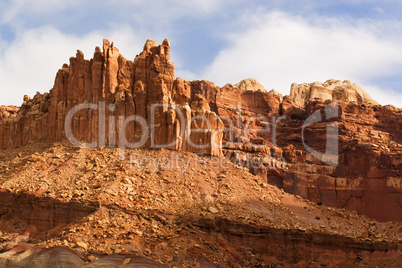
{"points": [[224, 41]]}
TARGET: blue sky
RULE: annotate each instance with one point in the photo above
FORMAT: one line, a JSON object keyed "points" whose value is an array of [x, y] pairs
{"points": [[276, 42]]}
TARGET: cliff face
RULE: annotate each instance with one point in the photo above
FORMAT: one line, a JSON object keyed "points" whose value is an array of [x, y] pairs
{"points": [[328, 142], [111, 101]]}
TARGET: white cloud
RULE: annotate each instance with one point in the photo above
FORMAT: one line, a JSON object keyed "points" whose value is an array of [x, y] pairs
{"points": [[204, 6], [384, 95], [177, 7], [186, 75], [278, 49], [14, 11], [20, 7], [379, 10]]}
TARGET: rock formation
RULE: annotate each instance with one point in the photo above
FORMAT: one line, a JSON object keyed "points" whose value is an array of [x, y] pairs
{"points": [[110, 101], [367, 174], [250, 84], [267, 133], [7, 111], [333, 90]]}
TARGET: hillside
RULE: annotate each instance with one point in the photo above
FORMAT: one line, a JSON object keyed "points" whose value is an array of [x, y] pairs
{"points": [[90, 201]]}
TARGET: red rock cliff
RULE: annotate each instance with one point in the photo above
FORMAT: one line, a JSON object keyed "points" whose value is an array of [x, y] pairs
{"points": [[112, 101], [270, 135]]}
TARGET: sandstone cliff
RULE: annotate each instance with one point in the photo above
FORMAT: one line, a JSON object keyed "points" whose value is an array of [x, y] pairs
{"points": [[268, 133], [110, 101], [367, 174], [90, 96], [65, 203]]}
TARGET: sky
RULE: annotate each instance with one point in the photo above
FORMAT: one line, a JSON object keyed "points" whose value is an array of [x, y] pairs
{"points": [[277, 42]]}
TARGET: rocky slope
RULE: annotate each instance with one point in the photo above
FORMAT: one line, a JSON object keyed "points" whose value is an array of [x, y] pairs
{"points": [[182, 209], [65, 187]]}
